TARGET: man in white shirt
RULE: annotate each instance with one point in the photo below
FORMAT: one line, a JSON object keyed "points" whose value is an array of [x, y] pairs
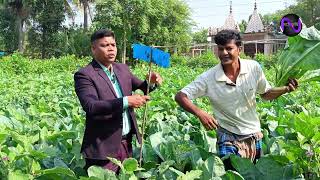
{"points": [[232, 86]]}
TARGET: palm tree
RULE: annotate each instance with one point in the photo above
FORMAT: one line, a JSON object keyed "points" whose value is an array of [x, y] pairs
{"points": [[69, 10], [86, 9]]}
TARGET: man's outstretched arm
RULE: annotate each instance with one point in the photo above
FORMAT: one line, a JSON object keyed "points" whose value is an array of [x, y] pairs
{"points": [[208, 121], [274, 93]]}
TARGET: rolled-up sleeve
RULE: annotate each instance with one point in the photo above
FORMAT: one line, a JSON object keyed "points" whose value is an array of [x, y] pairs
{"points": [[263, 84], [196, 88]]}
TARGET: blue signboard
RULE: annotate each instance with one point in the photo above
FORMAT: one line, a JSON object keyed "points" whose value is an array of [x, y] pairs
{"points": [[142, 52], [159, 57]]}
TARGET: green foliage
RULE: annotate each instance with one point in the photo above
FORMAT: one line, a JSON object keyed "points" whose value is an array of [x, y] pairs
{"points": [[75, 41], [268, 167], [125, 18], [152, 22], [170, 23], [194, 174], [69, 41], [100, 173], [34, 27], [85, 4], [300, 56], [178, 60], [243, 26], [42, 124], [244, 56], [308, 10], [291, 129], [200, 36], [273, 19], [212, 167], [267, 62], [8, 30], [3, 169], [207, 59], [43, 36], [56, 173], [234, 175], [16, 16]]}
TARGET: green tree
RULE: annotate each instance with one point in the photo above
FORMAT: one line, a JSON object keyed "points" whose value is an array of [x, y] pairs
{"points": [[273, 20], [153, 22], [200, 36], [75, 41], [47, 16], [169, 24], [14, 13], [84, 4], [243, 26], [309, 11], [69, 10], [86, 8], [8, 31]]}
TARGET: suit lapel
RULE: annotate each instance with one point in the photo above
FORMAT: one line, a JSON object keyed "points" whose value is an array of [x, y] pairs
{"points": [[100, 71], [121, 79]]}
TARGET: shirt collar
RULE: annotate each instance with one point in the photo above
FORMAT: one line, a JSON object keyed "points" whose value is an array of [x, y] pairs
{"points": [[244, 69], [105, 69], [221, 76]]}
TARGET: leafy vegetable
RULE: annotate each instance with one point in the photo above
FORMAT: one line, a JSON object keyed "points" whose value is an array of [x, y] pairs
{"points": [[301, 56]]}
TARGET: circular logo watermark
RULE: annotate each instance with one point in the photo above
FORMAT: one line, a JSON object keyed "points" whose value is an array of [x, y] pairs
{"points": [[291, 24]]}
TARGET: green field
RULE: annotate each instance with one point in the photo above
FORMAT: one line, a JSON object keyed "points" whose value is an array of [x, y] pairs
{"points": [[42, 123]]}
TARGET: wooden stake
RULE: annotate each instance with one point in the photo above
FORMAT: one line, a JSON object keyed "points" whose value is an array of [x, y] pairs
{"points": [[145, 111]]}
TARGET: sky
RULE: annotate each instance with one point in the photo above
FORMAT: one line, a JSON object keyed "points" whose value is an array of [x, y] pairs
{"points": [[207, 13]]}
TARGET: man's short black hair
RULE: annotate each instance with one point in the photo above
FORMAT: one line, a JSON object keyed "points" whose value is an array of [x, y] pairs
{"points": [[225, 36], [101, 34]]}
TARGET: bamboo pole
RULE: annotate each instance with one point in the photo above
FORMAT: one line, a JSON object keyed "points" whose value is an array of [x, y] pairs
{"points": [[145, 111]]}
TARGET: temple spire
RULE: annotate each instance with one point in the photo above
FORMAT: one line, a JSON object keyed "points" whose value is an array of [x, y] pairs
{"points": [[255, 5], [229, 23], [255, 23]]}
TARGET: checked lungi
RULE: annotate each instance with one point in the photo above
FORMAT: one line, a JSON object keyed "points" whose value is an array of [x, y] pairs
{"points": [[246, 146]]}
